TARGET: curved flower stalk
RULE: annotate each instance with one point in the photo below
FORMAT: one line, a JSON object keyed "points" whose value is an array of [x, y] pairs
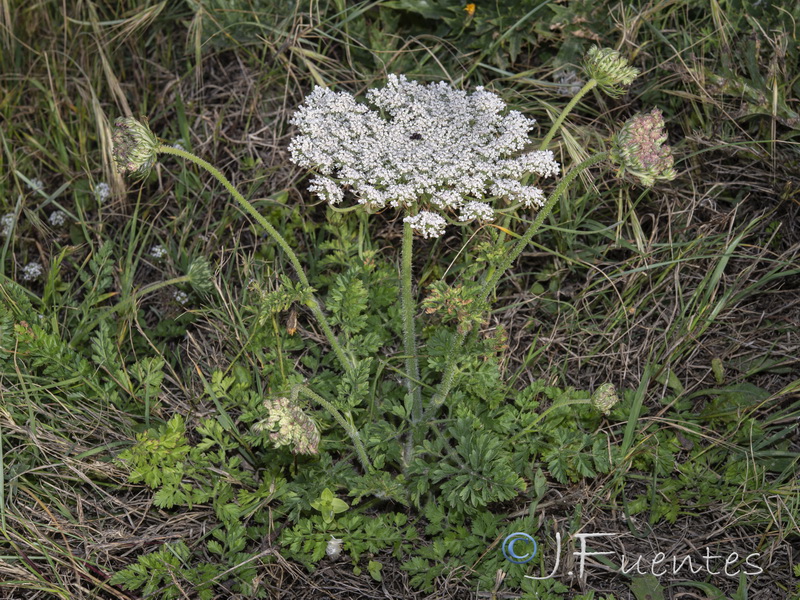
{"points": [[608, 70], [135, 151]]}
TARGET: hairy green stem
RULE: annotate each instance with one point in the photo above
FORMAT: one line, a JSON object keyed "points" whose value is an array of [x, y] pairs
{"points": [[541, 215], [344, 359], [448, 377], [592, 83], [567, 109], [348, 426], [409, 334]]}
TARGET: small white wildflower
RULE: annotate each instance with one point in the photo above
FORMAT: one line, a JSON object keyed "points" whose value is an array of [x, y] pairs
{"points": [[476, 210], [57, 218], [178, 145], [415, 146], [102, 191], [31, 271], [334, 548], [6, 224], [158, 251], [181, 297], [429, 224], [36, 184]]}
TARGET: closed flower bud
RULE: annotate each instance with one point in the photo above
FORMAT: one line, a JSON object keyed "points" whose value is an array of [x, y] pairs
{"points": [[605, 397], [135, 146], [609, 69], [290, 426], [638, 149], [200, 276]]}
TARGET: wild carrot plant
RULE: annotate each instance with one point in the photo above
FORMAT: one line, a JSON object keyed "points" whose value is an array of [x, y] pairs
{"points": [[443, 158]]}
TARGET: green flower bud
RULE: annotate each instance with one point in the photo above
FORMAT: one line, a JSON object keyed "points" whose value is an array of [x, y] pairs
{"points": [[290, 426], [200, 275], [638, 149], [605, 397], [609, 69], [135, 146]]}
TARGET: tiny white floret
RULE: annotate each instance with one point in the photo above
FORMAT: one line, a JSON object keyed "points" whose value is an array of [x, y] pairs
{"points": [[102, 191], [32, 271], [57, 218], [6, 224]]}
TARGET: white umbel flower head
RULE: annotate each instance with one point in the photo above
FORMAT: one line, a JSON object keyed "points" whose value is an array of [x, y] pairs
{"points": [[429, 225], [418, 147], [334, 548]]}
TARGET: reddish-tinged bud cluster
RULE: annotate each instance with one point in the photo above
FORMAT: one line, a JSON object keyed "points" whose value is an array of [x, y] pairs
{"points": [[638, 149]]}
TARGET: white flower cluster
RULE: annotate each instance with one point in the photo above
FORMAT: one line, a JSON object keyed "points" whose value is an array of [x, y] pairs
{"points": [[57, 218], [421, 146], [181, 297], [158, 251], [429, 224], [6, 224], [476, 210], [35, 184], [32, 271], [102, 191]]}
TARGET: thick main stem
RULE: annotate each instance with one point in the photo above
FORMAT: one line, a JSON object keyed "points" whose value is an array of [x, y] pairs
{"points": [[313, 304], [448, 377], [409, 333], [567, 109]]}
